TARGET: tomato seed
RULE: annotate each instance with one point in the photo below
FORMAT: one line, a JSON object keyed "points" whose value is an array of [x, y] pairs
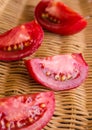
{"points": [[9, 48], [22, 46], [57, 77], [48, 73], [46, 15], [63, 78], [26, 44], [8, 125], [43, 105], [15, 47], [31, 119], [69, 76], [19, 46], [43, 15], [19, 124]]}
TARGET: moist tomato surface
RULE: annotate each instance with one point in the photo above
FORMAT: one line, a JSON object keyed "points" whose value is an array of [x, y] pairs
{"points": [[20, 41], [60, 72], [26, 112], [57, 17]]}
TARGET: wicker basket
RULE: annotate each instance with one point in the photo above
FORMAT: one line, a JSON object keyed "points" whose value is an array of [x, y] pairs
{"points": [[74, 107]]}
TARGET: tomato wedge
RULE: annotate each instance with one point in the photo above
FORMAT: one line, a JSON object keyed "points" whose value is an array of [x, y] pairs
{"points": [[61, 72], [57, 17], [20, 41], [26, 112]]}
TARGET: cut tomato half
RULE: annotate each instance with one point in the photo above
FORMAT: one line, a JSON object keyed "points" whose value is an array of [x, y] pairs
{"points": [[61, 72], [20, 41], [57, 17], [26, 112]]}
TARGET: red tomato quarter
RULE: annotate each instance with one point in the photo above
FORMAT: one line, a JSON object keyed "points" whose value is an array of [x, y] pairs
{"points": [[26, 112], [61, 72], [20, 41], [57, 17]]}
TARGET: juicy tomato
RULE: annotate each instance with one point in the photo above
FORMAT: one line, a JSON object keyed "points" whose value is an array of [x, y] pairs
{"points": [[20, 41], [61, 72], [26, 112], [57, 17]]}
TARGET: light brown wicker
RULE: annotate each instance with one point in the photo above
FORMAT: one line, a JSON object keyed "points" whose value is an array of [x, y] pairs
{"points": [[74, 107]]}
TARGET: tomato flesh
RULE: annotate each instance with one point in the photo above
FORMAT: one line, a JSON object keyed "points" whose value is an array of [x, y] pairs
{"points": [[26, 112], [20, 41], [57, 17], [61, 72]]}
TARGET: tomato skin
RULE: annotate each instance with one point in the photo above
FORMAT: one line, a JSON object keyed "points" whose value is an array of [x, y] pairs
{"points": [[71, 21], [46, 70], [19, 107], [26, 39]]}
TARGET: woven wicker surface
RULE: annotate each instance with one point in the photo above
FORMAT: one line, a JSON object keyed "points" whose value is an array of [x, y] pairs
{"points": [[74, 107]]}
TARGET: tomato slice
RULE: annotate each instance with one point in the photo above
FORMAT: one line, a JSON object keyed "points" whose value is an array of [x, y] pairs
{"points": [[20, 41], [26, 112], [57, 17], [61, 72]]}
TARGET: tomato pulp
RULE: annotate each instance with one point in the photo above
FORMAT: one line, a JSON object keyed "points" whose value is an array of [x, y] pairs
{"points": [[20, 41], [57, 17], [61, 72], [26, 112]]}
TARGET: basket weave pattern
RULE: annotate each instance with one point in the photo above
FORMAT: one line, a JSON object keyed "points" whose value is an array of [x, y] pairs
{"points": [[74, 107]]}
